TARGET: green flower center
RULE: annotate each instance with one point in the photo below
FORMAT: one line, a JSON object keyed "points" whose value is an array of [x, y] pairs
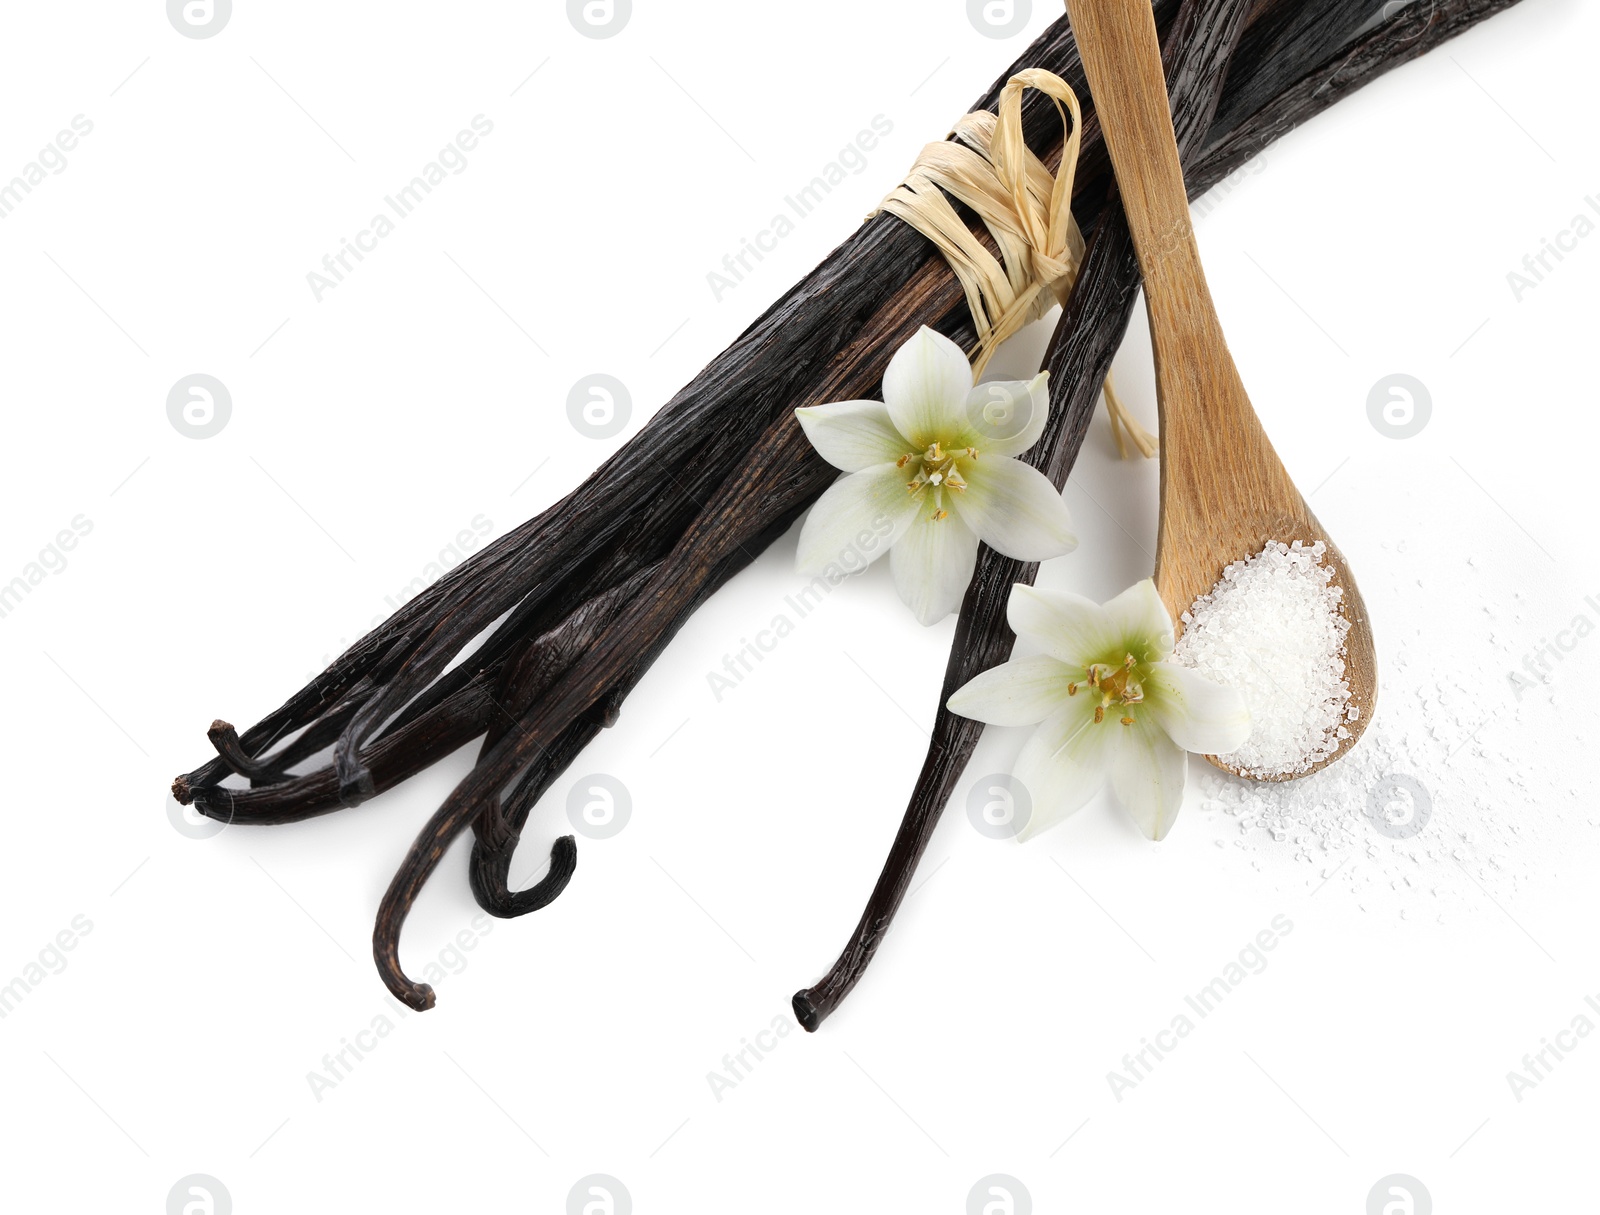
{"points": [[1116, 686], [936, 471]]}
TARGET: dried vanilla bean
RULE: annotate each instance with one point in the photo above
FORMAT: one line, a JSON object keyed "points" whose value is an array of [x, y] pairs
{"points": [[328, 708], [1092, 327], [499, 828], [826, 335], [693, 440], [361, 687], [1080, 355], [518, 749], [782, 474]]}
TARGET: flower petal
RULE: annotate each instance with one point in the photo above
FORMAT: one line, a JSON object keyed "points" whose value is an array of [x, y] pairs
{"points": [[932, 564], [856, 520], [1198, 714], [1140, 621], [925, 387], [1006, 417], [1016, 693], [852, 435], [1147, 772], [1063, 765], [1074, 629], [1014, 510]]}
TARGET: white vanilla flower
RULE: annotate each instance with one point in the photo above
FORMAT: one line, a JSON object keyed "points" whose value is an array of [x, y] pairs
{"points": [[930, 472], [1110, 703]]}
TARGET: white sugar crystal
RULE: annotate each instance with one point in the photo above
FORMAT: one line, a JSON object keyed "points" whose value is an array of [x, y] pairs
{"points": [[1272, 630]]}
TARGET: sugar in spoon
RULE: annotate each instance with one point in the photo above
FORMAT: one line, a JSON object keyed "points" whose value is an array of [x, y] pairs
{"points": [[1224, 493]]}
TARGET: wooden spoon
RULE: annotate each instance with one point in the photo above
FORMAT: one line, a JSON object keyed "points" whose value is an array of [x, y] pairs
{"points": [[1224, 492]]}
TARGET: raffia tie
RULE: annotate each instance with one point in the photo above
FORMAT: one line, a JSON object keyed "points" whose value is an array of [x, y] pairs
{"points": [[1028, 211]]}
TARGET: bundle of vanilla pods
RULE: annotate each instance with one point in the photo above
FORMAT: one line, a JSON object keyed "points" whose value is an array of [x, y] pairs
{"points": [[593, 588]]}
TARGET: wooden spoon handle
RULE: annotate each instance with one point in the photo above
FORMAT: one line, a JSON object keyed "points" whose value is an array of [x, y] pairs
{"points": [[1122, 59], [1219, 476]]}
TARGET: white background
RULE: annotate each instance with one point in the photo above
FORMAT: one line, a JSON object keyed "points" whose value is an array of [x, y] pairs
{"points": [[430, 388]]}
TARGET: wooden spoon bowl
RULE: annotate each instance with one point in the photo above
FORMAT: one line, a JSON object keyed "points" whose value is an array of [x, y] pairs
{"points": [[1224, 493]]}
